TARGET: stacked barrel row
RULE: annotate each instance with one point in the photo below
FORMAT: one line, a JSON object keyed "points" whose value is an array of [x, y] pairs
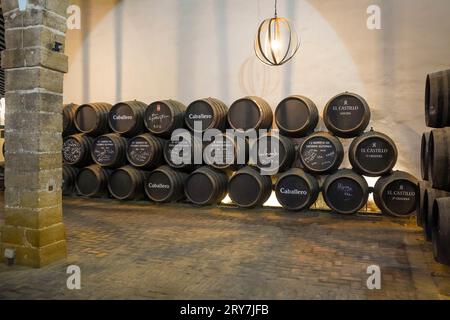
{"points": [[123, 150], [434, 189]]}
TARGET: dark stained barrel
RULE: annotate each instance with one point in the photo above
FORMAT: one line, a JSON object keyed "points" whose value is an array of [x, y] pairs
{"points": [[127, 118], [250, 113], [226, 152], [92, 118], [270, 160], [165, 185], [437, 99], [163, 117], [146, 151], [347, 115], [92, 181], [127, 183], [76, 150], [296, 116], [397, 194], [249, 189], [297, 190], [430, 197], [69, 178], [184, 152], [441, 230], [109, 150], [425, 156], [69, 112], [206, 186], [373, 154], [439, 160], [345, 192], [422, 186], [211, 113], [321, 153]]}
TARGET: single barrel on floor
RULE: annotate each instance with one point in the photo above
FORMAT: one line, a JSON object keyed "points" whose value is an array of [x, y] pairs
{"points": [[296, 116], [92, 118], [109, 150], [373, 154], [249, 189], [76, 150], [145, 151], [208, 113], [347, 115], [345, 192], [127, 118], [431, 195], [297, 190], [163, 117], [437, 99], [321, 153], [206, 186], [127, 183], [165, 185], [441, 230], [92, 181], [250, 113], [397, 194]]}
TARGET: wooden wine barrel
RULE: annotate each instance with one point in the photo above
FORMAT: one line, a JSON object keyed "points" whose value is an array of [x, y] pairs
{"points": [[440, 233], [92, 118], [76, 150], [206, 186], [430, 197], [127, 183], [164, 117], [270, 160], [109, 150], [184, 148], [68, 181], [165, 185], [397, 194], [345, 192], [92, 181], [373, 154], [425, 156], [146, 151], [127, 118], [69, 112], [249, 189], [296, 116], [321, 153], [297, 190], [439, 161], [437, 99], [226, 152], [250, 113], [422, 186], [211, 113], [347, 115]]}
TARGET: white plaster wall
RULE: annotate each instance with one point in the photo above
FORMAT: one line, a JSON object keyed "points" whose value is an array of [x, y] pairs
{"points": [[188, 49]]}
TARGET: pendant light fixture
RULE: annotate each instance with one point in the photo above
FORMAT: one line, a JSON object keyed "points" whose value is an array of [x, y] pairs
{"points": [[277, 41]]}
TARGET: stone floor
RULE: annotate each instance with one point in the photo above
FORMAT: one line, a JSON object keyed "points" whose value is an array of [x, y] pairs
{"points": [[143, 251]]}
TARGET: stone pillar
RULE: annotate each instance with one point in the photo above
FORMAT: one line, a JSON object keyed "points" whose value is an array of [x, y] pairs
{"points": [[34, 86]]}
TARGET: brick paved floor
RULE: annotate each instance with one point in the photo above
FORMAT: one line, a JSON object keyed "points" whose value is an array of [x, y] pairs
{"points": [[145, 251]]}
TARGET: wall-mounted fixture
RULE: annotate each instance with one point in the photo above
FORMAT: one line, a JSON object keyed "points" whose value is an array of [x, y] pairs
{"points": [[277, 41]]}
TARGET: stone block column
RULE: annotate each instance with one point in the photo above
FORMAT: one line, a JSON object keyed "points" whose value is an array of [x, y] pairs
{"points": [[33, 124]]}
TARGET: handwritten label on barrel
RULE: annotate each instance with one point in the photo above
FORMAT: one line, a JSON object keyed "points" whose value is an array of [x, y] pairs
{"points": [[104, 151], [158, 117], [346, 112], [375, 154], [140, 152], [72, 151], [319, 154], [345, 194], [400, 197]]}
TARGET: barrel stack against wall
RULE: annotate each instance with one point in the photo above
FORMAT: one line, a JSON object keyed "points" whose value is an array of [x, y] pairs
{"points": [[433, 204]]}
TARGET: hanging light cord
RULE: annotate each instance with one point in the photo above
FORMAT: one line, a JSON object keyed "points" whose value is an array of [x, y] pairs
{"points": [[276, 8]]}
